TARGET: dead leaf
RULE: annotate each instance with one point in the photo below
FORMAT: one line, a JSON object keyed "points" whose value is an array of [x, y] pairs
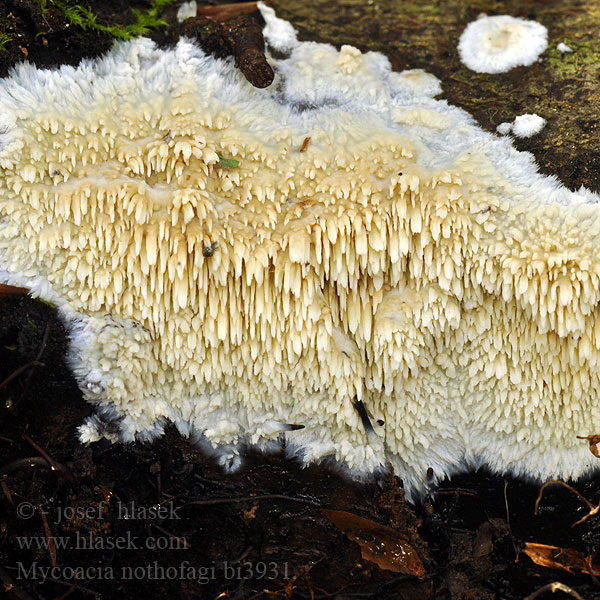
{"points": [[382, 545], [565, 559], [250, 514], [594, 440]]}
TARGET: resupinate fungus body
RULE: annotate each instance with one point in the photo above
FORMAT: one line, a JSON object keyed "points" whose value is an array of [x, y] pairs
{"points": [[405, 288], [523, 126], [500, 43]]}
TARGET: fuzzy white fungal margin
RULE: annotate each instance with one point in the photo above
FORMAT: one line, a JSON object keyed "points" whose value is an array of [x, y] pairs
{"points": [[280, 34], [504, 128], [404, 258], [527, 125], [562, 47], [186, 11], [523, 126], [500, 43]]}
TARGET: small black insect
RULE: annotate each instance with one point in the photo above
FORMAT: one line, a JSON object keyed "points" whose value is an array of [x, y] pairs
{"points": [[208, 251]]}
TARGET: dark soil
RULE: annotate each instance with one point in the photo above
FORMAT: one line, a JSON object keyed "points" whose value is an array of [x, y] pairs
{"points": [[163, 521]]}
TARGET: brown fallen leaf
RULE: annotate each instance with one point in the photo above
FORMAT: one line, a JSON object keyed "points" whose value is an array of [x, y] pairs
{"points": [[594, 440], [565, 559], [382, 545]]}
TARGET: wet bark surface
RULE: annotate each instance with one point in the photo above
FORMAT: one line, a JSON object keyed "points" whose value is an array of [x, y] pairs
{"points": [[162, 520]]}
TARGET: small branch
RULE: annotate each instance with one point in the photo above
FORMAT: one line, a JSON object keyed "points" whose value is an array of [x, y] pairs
{"points": [[22, 369], [34, 461], [556, 586], [593, 510], [512, 537], [225, 12], [250, 499], [232, 30], [246, 37]]}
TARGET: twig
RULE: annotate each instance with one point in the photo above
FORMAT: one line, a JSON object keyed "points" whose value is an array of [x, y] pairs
{"points": [[593, 509], [227, 11], [512, 537], [40, 450], [34, 461], [246, 38], [6, 491], [22, 369], [54, 466], [305, 144], [455, 490], [555, 586], [37, 358], [251, 498], [49, 537], [233, 30], [185, 545]]}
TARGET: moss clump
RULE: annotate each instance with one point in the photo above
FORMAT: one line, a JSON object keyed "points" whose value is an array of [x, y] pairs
{"points": [[85, 19], [585, 53]]}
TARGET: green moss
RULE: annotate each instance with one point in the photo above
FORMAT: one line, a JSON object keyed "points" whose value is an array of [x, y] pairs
{"points": [[80, 16], [46, 303], [4, 39], [585, 54], [43, 4]]}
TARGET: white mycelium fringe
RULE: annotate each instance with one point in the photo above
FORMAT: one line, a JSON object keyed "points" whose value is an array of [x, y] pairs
{"points": [[523, 126], [401, 256], [562, 47], [187, 10]]}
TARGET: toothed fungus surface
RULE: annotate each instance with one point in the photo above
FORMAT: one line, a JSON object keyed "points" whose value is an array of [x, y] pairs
{"points": [[213, 275], [500, 43]]}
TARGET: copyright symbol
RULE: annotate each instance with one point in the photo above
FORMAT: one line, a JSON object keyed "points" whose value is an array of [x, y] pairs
{"points": [[25, 510]]}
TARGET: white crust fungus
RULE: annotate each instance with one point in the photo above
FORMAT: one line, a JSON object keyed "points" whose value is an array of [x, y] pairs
{"points": [[562, 47], [403, 258], [279, 33], [500, 43], [186, 11], [523, 126]]}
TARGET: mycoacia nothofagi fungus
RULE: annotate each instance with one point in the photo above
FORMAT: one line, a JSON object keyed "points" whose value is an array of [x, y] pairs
{"points": [[500, 43], [404, 262]]}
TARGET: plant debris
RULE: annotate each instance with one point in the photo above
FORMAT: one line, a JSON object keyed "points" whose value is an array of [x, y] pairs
{"points": [[380, 544]]}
